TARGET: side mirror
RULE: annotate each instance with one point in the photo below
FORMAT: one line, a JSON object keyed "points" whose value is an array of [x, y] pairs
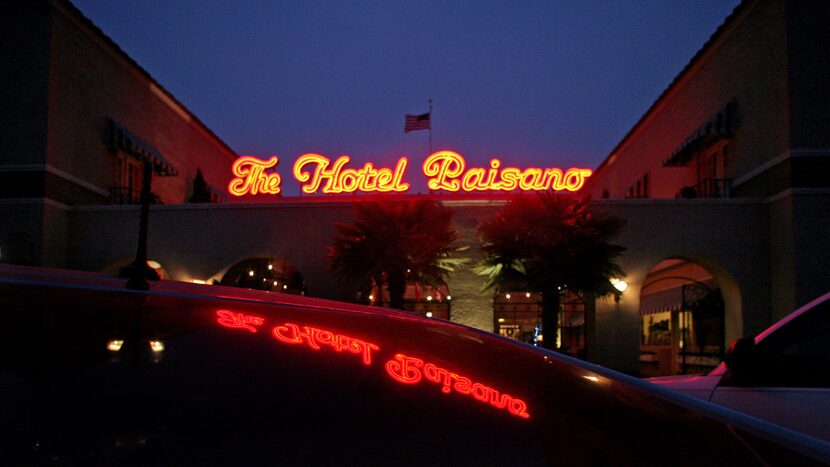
{"points": [[741, 354], [743, 362]]}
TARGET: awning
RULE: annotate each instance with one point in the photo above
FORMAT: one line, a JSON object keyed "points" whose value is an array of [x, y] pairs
{"points": [[664, 300], [720, 126], [119, 138]]}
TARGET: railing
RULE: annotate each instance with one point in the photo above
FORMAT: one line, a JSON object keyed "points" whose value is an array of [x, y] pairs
{"points": [[129, 195], [709, 188]]}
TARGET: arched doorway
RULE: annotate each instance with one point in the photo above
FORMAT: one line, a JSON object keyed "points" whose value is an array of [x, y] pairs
{"points": [[270, 274], [682, 327], [431, 300], [517, 314]]}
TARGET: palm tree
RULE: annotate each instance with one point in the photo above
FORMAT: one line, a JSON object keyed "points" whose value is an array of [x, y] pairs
{"points": [[550, 243], [391, 240]]}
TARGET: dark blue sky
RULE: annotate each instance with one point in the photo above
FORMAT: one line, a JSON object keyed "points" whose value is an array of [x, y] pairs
{"points": [[550, 83]]}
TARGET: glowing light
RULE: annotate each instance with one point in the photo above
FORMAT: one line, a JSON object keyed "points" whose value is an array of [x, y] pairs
{"points": [[371, 297], [449, 297], [619, 284], [429, 314], [154, 264], [229, 319], [501, 320], [270, 267], [591, 378], [250, 177], [251, 273], [540, 338], [411, 370], [314, 338], [275, 283], [447, 171], [338, 179], [198, 281], [157, 346], [507, 296], [429, 298], [115, 345], [285, 286], [527, 294]]}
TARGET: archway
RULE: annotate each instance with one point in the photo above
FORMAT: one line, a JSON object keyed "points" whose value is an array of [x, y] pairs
{"points": [[270, 274], [682, 319]]}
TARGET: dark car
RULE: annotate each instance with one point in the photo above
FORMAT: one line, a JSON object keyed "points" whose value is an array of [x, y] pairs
{"points": [[182, 374]]}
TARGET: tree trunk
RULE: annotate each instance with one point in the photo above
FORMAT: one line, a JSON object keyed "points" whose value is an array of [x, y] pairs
{"points": [[397, 289], [550, 314]]}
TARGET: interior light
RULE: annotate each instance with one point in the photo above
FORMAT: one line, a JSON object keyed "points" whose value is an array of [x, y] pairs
{"points": [[501, 320], [275, 282], [429, 314], [429, 298], [527, 294], [115, 345], [270, 267], [251, 273], [507, 296], [285, 286], [157, 346], [154, 264], [371, 297]]}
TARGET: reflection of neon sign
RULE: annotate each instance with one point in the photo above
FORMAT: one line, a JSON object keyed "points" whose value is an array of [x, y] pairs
{"points": [[314, 338], [230, 319], [402, 368], [410, 370], [445, 170]]}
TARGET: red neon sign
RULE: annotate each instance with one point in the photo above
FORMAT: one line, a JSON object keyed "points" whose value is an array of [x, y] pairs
{"points": [[229, 319], [314, 338], [341, 180], [447, 171], [411, 370], [250, 177]]}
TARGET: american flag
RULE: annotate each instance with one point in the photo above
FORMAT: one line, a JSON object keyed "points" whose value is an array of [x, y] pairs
{"points": [[417, 122]]}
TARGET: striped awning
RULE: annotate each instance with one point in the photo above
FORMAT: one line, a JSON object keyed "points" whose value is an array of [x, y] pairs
{"points": [[719, 126], [119, 138], [664, 300]]}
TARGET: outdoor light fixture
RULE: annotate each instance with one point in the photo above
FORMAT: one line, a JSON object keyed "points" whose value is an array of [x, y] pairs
{"points": [[429, 298], [619, 284], [507, 296], [115, 345], [270, 267], [429, 314], [527, 294], [251, 273], [371, 297], [157, 346]]}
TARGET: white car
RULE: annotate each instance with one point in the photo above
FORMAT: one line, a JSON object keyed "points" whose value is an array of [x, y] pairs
{"points": [[782, 375]]}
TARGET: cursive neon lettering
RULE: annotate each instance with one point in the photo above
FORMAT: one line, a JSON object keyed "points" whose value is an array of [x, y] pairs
{"points": [[411, 370], [250, 177], [447, 171], [313, 170], [315, 338]]}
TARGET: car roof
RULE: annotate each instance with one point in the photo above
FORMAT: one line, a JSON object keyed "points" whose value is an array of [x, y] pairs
{"points": [[795, 314], [560, 393]]}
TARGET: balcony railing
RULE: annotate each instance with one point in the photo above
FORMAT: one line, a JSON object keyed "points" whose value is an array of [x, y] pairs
{"points": [[709, 188], [129, 195]]}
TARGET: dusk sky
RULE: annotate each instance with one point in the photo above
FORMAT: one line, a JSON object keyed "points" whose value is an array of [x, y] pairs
{"points": [[554, 83]]}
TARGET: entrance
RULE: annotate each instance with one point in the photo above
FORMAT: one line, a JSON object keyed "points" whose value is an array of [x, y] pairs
{"points": [[681, 320]]}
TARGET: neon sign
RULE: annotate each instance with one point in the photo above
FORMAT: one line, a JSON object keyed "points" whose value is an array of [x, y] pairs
{"points": [[402, 368], [445, 171], [250, 177], [411, 370], [340, 180], [314, 338]]}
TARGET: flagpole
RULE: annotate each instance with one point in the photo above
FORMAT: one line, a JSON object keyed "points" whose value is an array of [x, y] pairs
{"points": [[430, 127]]}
